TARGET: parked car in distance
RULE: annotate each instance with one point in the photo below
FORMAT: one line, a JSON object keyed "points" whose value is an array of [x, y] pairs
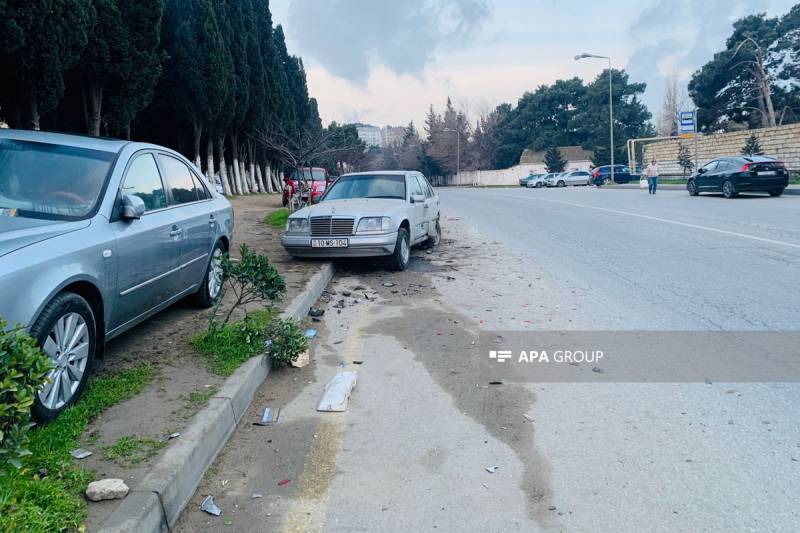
{"points": [[536, 182], [368, 214], [524, 181], [316, 178], [732, 175], [96, 235], [572, 177], [622, 174]]}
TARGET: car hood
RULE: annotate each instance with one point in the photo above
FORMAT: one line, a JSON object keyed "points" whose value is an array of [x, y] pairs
{"points": [[18, 232], [357, 207]]}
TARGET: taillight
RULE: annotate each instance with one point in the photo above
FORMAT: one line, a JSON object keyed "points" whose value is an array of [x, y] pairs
{"points": [[745, 167], [596, 172]]}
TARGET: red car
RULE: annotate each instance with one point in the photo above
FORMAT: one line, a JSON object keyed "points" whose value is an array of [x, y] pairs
{"points": [[316, 178]]}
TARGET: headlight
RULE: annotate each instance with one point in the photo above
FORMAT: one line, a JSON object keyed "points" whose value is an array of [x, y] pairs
{"points": [[297, 225], [373, 225]]}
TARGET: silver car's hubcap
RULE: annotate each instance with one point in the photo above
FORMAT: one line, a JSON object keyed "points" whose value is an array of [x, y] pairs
{"points": [[215, 274], [67, 345], [404, 250]]}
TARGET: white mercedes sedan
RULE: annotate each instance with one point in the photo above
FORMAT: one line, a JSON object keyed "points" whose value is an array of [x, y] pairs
{"points": [[368, 214]]}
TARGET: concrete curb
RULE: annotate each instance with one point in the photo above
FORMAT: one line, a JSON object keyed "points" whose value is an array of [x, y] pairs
{"points": [[791, 189], [155, 504]]}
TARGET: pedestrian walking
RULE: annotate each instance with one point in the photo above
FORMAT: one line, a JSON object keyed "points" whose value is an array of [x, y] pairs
{"points": [[651, 172]]}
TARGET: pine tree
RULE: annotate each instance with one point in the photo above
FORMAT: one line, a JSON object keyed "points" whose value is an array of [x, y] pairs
{"points": [[752, 146], [684, 159], [553, 160]]}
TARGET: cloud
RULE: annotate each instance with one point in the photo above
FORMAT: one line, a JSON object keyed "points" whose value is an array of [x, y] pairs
{"points": [[350, 37]]}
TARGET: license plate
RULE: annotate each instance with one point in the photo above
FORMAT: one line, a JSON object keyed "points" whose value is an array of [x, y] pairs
{"points": [[329, 243], [767, 173]]}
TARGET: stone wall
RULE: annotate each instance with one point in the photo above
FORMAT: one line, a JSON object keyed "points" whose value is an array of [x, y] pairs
{"points": [[506, 176], [782, 142]]}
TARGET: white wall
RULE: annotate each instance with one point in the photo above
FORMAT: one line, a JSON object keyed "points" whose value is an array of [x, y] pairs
{"points": [[508, 176]]}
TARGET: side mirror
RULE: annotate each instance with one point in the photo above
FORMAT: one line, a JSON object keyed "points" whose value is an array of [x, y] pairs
{"points": [[417, 199], [701, 171], [131, 207]]}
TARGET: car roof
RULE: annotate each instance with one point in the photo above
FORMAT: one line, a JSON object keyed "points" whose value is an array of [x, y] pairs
{"points": [[753, 158], [381, 172], [78, 141]]}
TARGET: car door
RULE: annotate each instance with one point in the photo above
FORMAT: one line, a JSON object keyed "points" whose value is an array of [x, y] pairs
{"points": [[705, 178], [418, 210], [431, 205], [719, 174], [190, 200], [147, 248]]}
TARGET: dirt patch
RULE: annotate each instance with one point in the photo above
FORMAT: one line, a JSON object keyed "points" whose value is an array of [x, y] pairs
{"points": [[182, 384]]}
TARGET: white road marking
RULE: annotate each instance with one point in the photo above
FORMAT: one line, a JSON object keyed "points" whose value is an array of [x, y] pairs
{"points": [[675, 222]]}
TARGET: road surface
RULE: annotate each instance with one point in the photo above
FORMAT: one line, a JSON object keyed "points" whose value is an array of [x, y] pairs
{"points": [[411, 452]]}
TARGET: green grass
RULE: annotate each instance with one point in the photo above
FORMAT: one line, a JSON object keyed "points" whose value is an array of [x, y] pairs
{"points": [[277, 218], [130, 450], [227, 348], [199, 398], [47, 495]]}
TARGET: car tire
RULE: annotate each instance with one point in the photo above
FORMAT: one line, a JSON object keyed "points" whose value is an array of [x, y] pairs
{"points": [[776, 193], [539, 185], [561, 184], [210, 290], [691, 186], [71, 369], [729, 189], [402, 251], [437, 238]]}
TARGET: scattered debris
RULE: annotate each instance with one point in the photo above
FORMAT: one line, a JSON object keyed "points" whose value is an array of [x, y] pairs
{"points": [[598, 370], [169, 437], [388, 284], [495, 383], [301, 360], [316, 312], [316, 319], [270, 416], [339, 304], [224, 482], [492, 469], [256, 496], [338, 342], [450, 278], [106, 489], [346, 294], [210, 507], [358, 362], [551, 508], [311, 333], [80, 453], [358, 288], [485, 486], [337, 392], [283, 482], [528, 417]]}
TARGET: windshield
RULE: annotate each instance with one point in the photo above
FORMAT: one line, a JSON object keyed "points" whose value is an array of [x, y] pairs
{"points": [[367, 186], [316, 175], [51, 181]]}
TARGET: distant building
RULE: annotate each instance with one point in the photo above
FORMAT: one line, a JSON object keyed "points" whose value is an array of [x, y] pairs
{"points": [[576, 157], [371, 135], [392, 135]]}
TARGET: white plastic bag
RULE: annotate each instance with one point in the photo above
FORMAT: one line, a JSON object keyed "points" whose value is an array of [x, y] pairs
{"points": [[643, 183]]}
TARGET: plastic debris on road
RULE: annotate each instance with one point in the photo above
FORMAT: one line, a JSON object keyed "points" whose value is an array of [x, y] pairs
{"points": [[337, 392], [283, 482], [80, 453], [171, 436], [256, 496], [301, 360], [270, 416], [311, 333], [492, 469], [210, 507], [314, 311]]}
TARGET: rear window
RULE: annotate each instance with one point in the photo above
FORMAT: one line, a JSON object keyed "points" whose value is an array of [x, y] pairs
{"points": [[316, 175]]}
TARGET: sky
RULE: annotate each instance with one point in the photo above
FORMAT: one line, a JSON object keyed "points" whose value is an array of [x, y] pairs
{"points": [[384, 62]]}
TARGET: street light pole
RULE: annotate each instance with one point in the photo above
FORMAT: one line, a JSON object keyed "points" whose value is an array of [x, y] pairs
{"points": [[610, 105]]}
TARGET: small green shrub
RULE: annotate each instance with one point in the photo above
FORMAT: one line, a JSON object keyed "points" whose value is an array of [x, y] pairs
{"points": [[286, 341], [277, 218], [228, 346], [23, 371], [251, 279]]}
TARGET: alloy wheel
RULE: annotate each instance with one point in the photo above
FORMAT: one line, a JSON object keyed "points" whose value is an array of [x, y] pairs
{"points": [[405, 250], [67, 345], [215, 274]]}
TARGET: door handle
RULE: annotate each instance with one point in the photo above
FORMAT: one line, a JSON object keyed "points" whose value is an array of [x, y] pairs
{"points": [[175, 231], [212, 220]]}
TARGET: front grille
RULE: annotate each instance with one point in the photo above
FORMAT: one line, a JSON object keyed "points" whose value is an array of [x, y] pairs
{"points": [[331, 226]]}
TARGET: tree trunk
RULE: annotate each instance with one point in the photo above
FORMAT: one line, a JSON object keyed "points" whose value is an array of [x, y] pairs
{"points": [[223, 175], [197, 129], [276, 180], [210, 160], [35, 117], [268, 177], [95, 107], [237, 177]]}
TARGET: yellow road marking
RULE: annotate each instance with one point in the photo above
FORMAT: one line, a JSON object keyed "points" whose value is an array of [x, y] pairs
{"points": [[310, 503]]}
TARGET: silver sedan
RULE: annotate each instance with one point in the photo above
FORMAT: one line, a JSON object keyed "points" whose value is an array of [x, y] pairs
{"points": [[381, 213], [96, 235]]}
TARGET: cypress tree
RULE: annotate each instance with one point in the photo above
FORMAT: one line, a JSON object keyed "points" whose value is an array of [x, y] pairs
{"points": [[553, 160]]}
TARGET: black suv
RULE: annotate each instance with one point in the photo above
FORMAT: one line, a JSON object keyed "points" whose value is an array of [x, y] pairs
{"points": [[622, 174], [732, 175]]}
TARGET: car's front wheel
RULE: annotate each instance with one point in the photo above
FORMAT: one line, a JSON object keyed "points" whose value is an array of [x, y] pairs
{"points": [[691, 186], [607, 181], [776, 192], [539, 185], [67, 333], [562, 184], [728, 189], [210, 290], [402, 251]]}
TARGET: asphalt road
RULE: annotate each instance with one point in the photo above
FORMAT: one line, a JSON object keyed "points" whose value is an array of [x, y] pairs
{"points": [[423, 425]]}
